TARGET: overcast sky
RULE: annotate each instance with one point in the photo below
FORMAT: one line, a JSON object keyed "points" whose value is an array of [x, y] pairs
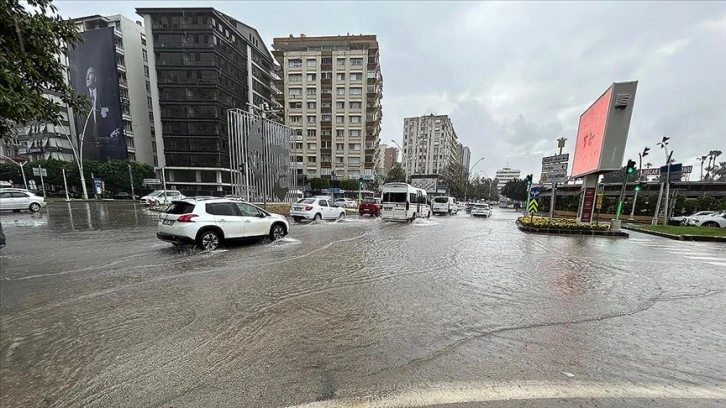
{"points": [[514, 77]]}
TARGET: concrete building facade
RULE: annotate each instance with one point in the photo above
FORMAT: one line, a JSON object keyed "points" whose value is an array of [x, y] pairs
{"points": [[465, 156], [430, 144], [332, 88], [505, 175]]}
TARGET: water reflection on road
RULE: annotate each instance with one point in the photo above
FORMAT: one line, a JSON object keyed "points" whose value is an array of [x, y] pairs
{"points": [[97, 312]]}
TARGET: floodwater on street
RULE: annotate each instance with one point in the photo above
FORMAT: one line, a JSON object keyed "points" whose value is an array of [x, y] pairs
{"points": [[96, 311]]}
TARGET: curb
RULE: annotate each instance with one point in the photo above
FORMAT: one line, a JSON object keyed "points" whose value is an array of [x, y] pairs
{"points": [[550, 231], [685, 237]]}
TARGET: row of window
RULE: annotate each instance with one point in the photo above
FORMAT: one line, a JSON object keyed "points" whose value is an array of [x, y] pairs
{"points": [[326, 144], [354, 76], [338, 160], [313, 62], [338, 91], [354, 119], [338, 105]]}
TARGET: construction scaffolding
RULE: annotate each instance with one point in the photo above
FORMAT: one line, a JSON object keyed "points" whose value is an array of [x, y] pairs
{"points": [[259, 158]]}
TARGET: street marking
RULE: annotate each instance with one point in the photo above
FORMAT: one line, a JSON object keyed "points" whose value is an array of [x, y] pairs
{"points": [[706, 258], [440, 394], [717, 263]]}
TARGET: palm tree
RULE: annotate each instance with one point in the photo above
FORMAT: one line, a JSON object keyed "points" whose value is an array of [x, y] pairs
{"points": [[702, 159], [712, 155]]}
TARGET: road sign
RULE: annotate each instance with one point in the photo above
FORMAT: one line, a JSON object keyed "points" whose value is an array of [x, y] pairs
{"points": [[152, 181], [557, 176], [675, 172], [560, 158], [598, 202], [548, 168], [532, 206], [39, 171], [534, 192]]}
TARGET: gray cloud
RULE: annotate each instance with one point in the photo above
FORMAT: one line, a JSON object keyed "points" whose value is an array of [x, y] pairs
{"points": [[515, 76]]}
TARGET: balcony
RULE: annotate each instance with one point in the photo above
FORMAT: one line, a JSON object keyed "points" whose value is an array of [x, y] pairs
{"points": [[326, 123], [326, 67], [372, 67], [123, 83], [326, 95], [326, 81], [120, 67], [117, 33], [126, 116], [296, 165], [120, 50]]}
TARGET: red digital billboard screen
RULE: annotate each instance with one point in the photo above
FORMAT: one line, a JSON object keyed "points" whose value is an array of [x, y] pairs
{"points": [[590, 134]]}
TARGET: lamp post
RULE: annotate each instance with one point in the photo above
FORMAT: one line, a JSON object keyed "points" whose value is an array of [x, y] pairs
{"points": [[78, 152], [560, 144], [640, 166], [664, 145], [466, 184], [22, 169]]}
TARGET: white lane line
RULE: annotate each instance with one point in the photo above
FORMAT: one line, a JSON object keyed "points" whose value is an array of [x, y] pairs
{"points": [[440, 394], [716, 263], [706, 258]]}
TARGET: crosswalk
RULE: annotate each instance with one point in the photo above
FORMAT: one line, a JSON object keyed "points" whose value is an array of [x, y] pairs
{"points": [[707, 253]]}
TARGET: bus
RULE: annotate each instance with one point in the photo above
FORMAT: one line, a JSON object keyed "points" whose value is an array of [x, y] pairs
{"points": [[403, 202]]}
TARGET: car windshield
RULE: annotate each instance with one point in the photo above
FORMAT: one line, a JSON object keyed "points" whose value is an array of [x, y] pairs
{"points": [[394, 197], [441, 200], [308, 201]]}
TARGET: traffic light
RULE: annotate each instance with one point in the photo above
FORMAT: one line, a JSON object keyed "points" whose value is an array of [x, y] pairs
{"points": [[639, 187], [528, 179], [631, 167], [360, 182]]}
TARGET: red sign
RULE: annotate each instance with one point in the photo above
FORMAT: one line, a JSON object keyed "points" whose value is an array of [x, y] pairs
{"points": [[587, 205], [590, 134]]}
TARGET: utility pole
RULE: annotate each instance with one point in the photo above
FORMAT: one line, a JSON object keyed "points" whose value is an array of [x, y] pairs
{"points": [[553, 197], [131, 181]]}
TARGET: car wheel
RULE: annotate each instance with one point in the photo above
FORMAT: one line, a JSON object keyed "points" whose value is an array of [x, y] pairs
{"points": [[297, 219], [34, 207], [710, 224], [209, 240], [413, 217], [428, 215], [317, 217], [277, 232], [341, 216], [449, 212]]}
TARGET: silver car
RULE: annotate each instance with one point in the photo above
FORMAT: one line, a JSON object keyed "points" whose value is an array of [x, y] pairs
{"points": [[17, 200]]}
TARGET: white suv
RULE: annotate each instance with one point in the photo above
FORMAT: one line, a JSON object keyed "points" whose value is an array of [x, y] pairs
{"points": [[209, 222], [316, 208]]}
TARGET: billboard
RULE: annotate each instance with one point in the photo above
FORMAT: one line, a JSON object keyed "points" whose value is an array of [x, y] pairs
{"points": [[603, 131], [94, 74], [426, 183]]}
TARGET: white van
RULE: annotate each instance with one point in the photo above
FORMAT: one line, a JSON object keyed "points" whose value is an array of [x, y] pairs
{"points": [[403, 202], [444, 205]]}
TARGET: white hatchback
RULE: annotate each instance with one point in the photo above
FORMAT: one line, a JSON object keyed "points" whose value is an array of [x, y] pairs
{"points": [[19, 199], [316, 208], [207, 223], [481, 210]]}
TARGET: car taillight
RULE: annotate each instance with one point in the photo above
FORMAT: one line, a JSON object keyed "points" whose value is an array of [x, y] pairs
{"points": [[186, 217], [308, 207]]}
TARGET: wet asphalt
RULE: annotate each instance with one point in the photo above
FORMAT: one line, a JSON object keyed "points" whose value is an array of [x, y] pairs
{"points": [[453, 311]]}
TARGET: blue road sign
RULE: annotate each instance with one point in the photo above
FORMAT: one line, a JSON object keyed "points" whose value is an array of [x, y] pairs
{"points": [[534, 192]]}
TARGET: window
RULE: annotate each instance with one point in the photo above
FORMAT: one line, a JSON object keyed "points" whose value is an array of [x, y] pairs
{"points": [[149, 102], [339, 159], [355, 119], [310, 77], [341, 62], [311, 105], [312, 119], [312, 172], [326, 61], [372, 75], [295, 118], [325, 104], [312, 132], [353, 160], [326, 74], [295, 91], [248, 210], [312, 159], [339, 146], [368, 173], [311, 91], [294, 78], [294, 63], [326, 117], [148, 86], [340, 77], [339, 119], [146, 71], [340, 91], [325, 132], [143, 40], [354, 174], [325, 171], [323, 203], [356, 105], [295, 105], [356, 76], [354, 133], [371, 89], [356, 91], [325, 144], [144, 55], [339, 105], [151, 118], [222, 209], [311, 63], [354, 147], [356, 62], [340, 133]]}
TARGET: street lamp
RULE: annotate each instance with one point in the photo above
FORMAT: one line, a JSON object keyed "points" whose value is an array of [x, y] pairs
{"points": [[78, 153], [466, 184], [668, 154], [22, 169], [640, 174]]}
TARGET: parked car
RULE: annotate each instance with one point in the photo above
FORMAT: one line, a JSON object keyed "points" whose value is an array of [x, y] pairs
{"points": [[161, 197], [16, 199], [683, 220], [346, 202], [716, 219], [316, 208], [481, 210], [208, 223], [123, 196], [371, 206]]}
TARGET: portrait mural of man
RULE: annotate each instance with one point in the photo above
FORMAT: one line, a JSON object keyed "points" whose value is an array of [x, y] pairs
{"points": [[94, 74]]}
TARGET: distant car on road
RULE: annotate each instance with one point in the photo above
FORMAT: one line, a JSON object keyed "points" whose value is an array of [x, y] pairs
{"points": [[161, 197], [346, 202], [370, 206], [444, 205], [481, 210], [207, 223], [316, 208], [16, 199]]}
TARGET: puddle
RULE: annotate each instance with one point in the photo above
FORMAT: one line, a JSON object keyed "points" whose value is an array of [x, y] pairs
{"points": [[421, 222], [284, 242]]}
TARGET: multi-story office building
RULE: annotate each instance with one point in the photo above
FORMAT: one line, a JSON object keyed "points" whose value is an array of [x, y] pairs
{"points": [[430, 144], [390, 156], [506, 174], [134, 82], [464, 156], [332, 89], [206, 63], [43, 140]]}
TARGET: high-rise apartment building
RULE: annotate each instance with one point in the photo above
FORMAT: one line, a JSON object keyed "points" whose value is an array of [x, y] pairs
{"points": [[430, 144], [332, 88], [390, 156], [506, 174], [134, 82], [206, 63], [465, 156]]}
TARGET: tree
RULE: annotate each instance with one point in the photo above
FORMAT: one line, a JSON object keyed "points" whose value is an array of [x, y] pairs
{"points": [[515, 189], [349, 185], [397, 174], [318, 184], [33, 35]]}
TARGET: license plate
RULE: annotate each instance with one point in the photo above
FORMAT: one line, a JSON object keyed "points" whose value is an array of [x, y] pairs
{"points": [[297, 209], [167, 222]]}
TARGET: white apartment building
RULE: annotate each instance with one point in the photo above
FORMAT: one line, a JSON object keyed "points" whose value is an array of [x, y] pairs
{"points": [[332, 88], [465, 156], [505, 175], [430, 144], [134, 82]]}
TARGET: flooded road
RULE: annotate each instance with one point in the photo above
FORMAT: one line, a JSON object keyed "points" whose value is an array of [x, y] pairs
{"points": [[95, 311]]}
